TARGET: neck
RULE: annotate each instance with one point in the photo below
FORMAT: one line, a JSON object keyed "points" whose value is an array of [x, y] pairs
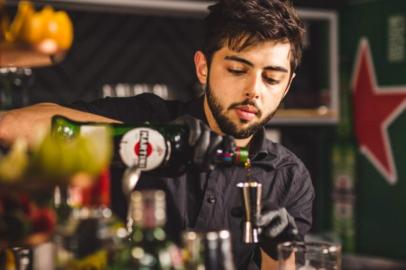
{"points": [[215, 127], [243, 142]]}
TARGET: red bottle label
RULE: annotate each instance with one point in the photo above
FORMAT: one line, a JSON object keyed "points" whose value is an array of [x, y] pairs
{"points": [[144, 147]]}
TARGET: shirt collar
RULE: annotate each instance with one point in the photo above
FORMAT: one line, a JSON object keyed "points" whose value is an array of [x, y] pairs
{"points": [[258, 146]]}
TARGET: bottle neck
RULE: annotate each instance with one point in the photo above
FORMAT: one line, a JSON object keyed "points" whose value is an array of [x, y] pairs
{"points": [[66, 128], [233, 155], [345, 125]]}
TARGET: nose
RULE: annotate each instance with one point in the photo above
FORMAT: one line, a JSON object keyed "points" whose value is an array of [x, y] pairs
{"points": [[254, 87]]}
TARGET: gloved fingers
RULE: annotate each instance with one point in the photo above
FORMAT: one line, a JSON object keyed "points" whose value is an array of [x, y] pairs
{"points": [[292, 223], [201, 146], [267, 217], [194, 131], [276, 230], [274, 222], [193, 126], [203, 141]]}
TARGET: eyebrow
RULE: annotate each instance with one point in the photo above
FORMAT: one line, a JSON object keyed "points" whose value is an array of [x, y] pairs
{"points": [[248, 63]]}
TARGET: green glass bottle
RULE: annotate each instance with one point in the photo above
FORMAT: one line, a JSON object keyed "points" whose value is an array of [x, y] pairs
{"points": [[343, 158], [148, 247], [193, 250], [151, 146]]}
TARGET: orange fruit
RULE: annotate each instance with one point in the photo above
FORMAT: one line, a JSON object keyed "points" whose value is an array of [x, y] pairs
{"points": [[33, 29], [48, 31], [60, 29], [24, 12]]}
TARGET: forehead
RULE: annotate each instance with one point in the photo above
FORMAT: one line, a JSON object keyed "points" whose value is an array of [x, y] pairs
{"points": [[267, 53]]}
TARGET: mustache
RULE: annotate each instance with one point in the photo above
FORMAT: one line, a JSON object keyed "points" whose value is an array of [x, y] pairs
{"points": [[244, 103]]}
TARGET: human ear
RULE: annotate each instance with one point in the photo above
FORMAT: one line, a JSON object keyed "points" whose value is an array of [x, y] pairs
{"points": [[201, 67], [289, 84]]}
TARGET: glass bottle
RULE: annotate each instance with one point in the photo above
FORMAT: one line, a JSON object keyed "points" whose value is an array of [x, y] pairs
{"points": [[151, 146], [14, 83], [218, 252], [344, 163], [91, 234], [193, 250], [148, 247]]}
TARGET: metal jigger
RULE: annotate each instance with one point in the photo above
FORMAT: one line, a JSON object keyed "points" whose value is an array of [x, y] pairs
{"points": [[251, 197]]}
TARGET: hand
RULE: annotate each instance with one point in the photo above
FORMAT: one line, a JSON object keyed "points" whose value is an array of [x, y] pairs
{"points": [[277, 226], [203, 141]]}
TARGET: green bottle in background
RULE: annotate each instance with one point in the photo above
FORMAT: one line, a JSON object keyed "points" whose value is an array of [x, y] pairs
{"points": [[193, 250], [343, 177], [211, 250], [148, 246]]}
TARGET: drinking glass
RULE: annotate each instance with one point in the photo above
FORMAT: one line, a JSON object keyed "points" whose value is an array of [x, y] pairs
{"points": [[309, 256]]}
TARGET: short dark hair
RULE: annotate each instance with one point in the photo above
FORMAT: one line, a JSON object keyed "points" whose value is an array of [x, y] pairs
{"points": [[239, 24]]}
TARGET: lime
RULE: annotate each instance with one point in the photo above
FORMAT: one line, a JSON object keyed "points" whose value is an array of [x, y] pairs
{"points": [[13, 165], [60, 158]]}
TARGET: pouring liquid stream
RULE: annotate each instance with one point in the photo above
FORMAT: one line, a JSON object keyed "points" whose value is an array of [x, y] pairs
{"points": [[247, 167]]}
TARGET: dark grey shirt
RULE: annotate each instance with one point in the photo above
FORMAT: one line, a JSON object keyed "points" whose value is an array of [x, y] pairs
{"points": [[204, 201]]}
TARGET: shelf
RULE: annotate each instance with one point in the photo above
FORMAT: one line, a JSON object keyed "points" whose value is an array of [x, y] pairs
{"points": [[322, 115], [165, 7], [16, 55], [31, 38]]}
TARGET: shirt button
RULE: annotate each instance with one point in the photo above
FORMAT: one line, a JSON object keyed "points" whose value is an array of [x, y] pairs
{"points": [[211, 199]]}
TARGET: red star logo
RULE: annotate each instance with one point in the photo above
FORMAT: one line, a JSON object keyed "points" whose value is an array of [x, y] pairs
{"points": [[375, 108]]}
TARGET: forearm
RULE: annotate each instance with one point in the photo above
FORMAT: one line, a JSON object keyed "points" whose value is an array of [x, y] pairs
{"points": [[267, 263], [27, 122]]}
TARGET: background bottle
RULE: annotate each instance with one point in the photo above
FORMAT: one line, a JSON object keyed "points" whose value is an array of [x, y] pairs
{"points": [[193, 250], [148, 246], [343, 157], [155, 147], [91, 234], [218, 252]]}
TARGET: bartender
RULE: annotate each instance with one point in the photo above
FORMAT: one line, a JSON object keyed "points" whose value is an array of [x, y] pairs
{"points": [[247, 63]]}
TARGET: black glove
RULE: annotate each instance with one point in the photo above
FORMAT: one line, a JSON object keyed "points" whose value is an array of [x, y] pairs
{"points": [[203, 141], [277, 226]]}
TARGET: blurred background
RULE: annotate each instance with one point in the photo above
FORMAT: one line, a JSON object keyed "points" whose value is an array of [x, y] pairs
{"points": [[344, 116]]}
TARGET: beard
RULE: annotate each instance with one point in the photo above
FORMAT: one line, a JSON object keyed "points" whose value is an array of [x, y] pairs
{"points": [[226, 125]]}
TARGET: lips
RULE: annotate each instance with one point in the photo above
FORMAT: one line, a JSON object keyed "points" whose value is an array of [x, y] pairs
{"points": [[246, 112], [248, 109]]}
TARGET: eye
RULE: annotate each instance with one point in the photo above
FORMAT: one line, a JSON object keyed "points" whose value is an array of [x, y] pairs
{"points": [[271, 80], [236, 71]]}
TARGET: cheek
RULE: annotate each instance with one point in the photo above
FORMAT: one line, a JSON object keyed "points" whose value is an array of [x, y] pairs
{"points": [[221, 84], [272, 100], [223, 91]]}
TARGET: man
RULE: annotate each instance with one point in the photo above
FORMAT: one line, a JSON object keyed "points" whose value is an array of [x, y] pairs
{"points": [[247, 64]]}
